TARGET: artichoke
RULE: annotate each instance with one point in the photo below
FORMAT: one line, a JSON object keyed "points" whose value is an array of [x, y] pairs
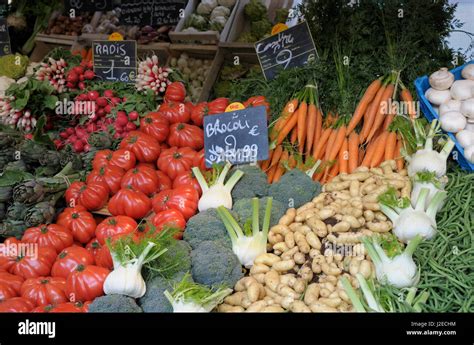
{"points": [[31, 151], [29, 192], [51, 159], [17, 165], [42, 212], [6, 193], [14, 228], [16, 211]]}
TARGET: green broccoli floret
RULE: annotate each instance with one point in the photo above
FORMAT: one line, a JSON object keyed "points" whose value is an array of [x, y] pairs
{"points": [[252, 184], [247, 37], [260, 28], [214, 264], [114, 304], [177, 258], [13, 66], [255, 10], [243, 209], [294, 189], [206, 226], [281, 15], [154, 300], [222, 88], [198, 22]]}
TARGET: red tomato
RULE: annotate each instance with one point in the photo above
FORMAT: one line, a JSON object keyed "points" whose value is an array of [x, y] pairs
{"points": [[101, 158], [110, 175], [199, 111], [94, 195], [16, 305], [148, 165], [155, 125], [44, 290], [130, 202], [123, 158], [184, 135], [52, 235], [189, 106], [176, 160], [175, 112], [114, 226], [73, 192], [69, 259], [30, 261], [101, 254], [184, 199], [170, 218], [200, 160], [12, 280], [7, 291], [86, 283], [175, 92], [143, 179], [258, 101], [80, 222], [186, 178], [164, 182], [217, 106], [67, 307], [144, 146], [141, 231]]}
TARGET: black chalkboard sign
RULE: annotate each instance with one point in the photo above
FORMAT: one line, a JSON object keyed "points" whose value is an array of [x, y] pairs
{"points": [[89, 5], [238, 137], [151, 12], [293, 47], [5, 47], [3, 8], [115, 60]]}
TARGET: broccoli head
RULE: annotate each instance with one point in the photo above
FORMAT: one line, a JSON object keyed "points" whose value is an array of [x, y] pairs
{"points": [[243, 209], [281, 15], [206, 226], [255, 10], [13, 66], [260, 28], [154, 300], [114, 304], [214, 264], [252, 184], [247, 37], [294, 189], [177, 258], [222, 88]]}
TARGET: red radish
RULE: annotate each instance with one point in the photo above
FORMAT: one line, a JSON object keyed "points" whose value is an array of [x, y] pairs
{"points": [[91, 127], [70, 85], [87, 148], [102, 102], [72, 139], [81, 77], [58, 143], [108, 108], [78, 70], [70, 131], [100, 112], [116, 100], [130, 126], [90, 65], [122, 120], [78, 146], [133, 115], [64, 134], [89, 75], [93, 95], [109, 93], [72, 78], [117, 135], [82, 86]]}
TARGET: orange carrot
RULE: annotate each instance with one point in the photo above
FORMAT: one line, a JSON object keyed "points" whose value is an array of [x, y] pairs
{"points": [[382, 109], [390, 146], [344, 157], [332, 173], [380, 146], [292, 162], [294, 135], [266, 164], [388, 120], [276, 155], [271, 173], [286, 129], [318, 176], [368, 96], [288, 110], [338, 142], [353, 149], [371, 113], [361, 156], [280, 167], [398, 154], [302, 114], [406, 97], [319, 127], [369, 153], [318, 149], [311, 128], [330, 144]]}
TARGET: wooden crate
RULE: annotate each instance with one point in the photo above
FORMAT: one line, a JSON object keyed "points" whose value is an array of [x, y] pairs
{"points": [[204, 37], [207, 52], [241, 24]]}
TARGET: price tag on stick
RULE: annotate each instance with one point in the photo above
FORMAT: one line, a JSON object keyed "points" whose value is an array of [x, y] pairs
{"points": [[293, 47], [115, 60], [5, 47], [240, 137], [89, 5]]}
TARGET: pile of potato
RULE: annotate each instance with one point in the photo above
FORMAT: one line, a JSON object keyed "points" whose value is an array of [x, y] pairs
{"points": [[313, 247]]}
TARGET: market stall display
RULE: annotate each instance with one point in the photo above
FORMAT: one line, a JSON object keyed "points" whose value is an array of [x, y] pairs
{"points": [[107, 203]]}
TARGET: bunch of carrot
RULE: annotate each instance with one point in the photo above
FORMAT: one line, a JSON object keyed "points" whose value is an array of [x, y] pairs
{"points": [[302, 133], [85, 53]]}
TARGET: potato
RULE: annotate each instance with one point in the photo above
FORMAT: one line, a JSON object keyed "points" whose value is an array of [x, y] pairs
{"points": [[299, 307], [272, 279], [253, 292], [267, 259], [283, 266]]}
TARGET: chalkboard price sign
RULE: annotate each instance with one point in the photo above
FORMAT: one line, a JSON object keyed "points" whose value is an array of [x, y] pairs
{"points": [[237, 137], [151, 12], [5, 47], [89, 5], [115, 60], [293, 47]]}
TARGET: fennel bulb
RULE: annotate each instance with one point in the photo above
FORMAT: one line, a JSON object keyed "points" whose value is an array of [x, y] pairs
{"points": [[190, 297], [426, 159], [427, 180], [400, 271], [216, 193], [247, 244]]}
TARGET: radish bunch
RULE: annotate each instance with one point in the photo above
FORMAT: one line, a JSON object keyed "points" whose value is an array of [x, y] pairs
{"points": [[152, 76], [54, 72], [125, 123], [76, 76]]}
